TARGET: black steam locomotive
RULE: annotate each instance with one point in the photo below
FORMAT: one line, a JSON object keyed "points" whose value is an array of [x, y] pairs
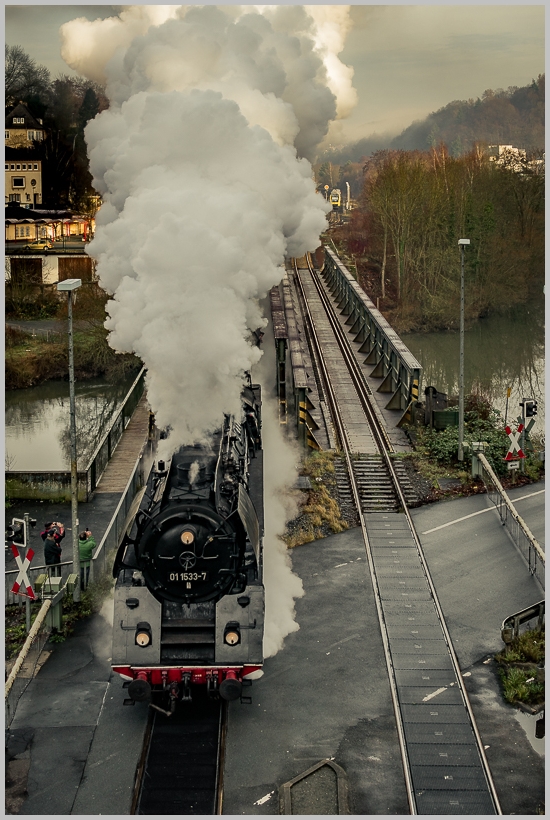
{"points": [[189, 598]]}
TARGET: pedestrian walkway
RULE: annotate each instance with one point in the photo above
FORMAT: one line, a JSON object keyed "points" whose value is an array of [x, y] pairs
{"points": [[119, 468]]}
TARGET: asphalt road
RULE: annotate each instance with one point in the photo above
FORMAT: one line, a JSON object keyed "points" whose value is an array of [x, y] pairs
{"points": [[325, 694]]}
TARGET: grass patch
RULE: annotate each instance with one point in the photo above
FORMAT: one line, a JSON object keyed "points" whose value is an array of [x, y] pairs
{"points": [[32, 360], [320, 515], [518, 668]]}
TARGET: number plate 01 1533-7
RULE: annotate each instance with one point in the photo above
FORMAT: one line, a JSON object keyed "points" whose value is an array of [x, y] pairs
{"points": [[197, 577]]}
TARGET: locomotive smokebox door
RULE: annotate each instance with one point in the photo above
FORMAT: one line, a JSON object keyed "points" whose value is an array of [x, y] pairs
{"points": [[246, 611]]}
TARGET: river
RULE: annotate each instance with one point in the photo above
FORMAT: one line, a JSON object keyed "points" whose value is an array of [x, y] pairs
{"points": [[37, 422], [500, 352]]}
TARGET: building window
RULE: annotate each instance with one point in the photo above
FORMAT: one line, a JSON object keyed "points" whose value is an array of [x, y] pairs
{"points": [[7, 133], [18, 167], [15, 197], [12, 167], [35, 167], [24, 167], [19, 120], [18, 182], [7, 167], [28, 197], [30, 135]]}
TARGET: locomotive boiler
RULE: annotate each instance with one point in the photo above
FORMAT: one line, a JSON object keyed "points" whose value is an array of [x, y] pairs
{"points": [[189, 598]]}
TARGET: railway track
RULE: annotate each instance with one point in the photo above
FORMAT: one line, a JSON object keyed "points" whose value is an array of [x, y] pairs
{"points": [[444, 763], [181, 768]]}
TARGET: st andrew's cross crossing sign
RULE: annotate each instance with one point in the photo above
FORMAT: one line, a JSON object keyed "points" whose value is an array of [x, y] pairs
{"points": [[514, 443], [22, 577]]}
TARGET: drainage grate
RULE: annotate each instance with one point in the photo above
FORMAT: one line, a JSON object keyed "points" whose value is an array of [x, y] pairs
{"points": [[322, 789]]}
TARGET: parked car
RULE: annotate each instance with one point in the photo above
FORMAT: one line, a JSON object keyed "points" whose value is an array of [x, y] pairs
{"points": [[39, 245]]}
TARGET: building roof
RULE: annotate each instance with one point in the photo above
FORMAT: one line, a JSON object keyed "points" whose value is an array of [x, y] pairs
{"points": [[19, 111], [16, 212], [21, 152]]}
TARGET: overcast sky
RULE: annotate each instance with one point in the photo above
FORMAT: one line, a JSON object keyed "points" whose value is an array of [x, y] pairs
{"points": [[408, 60]]}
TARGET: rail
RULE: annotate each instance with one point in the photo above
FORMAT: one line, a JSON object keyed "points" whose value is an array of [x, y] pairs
{"points": [[518, 530], [410, 713]]}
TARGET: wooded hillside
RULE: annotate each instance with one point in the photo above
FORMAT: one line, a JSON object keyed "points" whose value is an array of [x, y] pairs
{"points": [[417, 204], [511, 117]]}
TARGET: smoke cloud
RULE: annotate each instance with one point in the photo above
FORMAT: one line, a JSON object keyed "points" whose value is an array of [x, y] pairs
{"points": [[202, 164], [282, 586]]}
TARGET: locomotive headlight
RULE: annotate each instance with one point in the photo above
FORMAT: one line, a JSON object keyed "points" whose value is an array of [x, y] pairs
{"points": [[232, 634], [143, 634], [187, 537]]}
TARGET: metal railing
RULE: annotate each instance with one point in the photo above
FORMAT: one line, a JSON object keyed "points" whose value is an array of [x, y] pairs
{"points": [[55, 484], [390, 359], [24, 668], [10, 598], [106, 447], [108, 544], [101, 559], [520, 533]]}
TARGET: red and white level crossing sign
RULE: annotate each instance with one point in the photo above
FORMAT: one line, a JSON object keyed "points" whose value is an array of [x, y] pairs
{"points": [[514, 443], [23, 578]]}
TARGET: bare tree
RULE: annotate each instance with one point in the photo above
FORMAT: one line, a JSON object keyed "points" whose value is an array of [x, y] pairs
{"points": [[24, 77]]}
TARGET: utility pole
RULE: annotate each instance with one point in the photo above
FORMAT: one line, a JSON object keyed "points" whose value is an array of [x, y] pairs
{"points": [[461, 242], [69, 285]]}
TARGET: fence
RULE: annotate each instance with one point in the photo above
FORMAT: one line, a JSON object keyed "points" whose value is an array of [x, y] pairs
{"points": [[47, 485], [521, 535], [105, 449], [101, 559], [391, 360], [115, 531], [33, 572], [24, 668]]}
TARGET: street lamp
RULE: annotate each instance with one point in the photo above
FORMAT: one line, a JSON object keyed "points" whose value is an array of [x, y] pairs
{"points": [[461, 242], [70, 285]]}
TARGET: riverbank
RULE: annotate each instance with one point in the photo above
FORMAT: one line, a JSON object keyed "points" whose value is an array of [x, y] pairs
{"points": [[32, 359]]}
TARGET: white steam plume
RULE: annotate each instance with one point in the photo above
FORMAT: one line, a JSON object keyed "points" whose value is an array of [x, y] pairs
{"points": [[201, 162], [282, 586], [203, 192]]}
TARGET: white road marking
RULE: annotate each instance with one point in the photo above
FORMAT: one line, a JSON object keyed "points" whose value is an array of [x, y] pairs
{"points": [[344, 640], [480, 512], [341, 565], [264, 799], [437, 692]]}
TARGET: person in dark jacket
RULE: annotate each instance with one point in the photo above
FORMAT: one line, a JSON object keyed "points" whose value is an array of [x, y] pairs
{"points": [[57, 527], [86, 546], [52, 552]]}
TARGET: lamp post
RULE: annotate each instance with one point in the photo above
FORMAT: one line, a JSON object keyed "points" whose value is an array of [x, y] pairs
{"points": [[461, 242], [70, 285]]}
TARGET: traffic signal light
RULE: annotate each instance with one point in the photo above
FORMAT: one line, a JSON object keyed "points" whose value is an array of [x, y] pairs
{"points": [[529, 407]]}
